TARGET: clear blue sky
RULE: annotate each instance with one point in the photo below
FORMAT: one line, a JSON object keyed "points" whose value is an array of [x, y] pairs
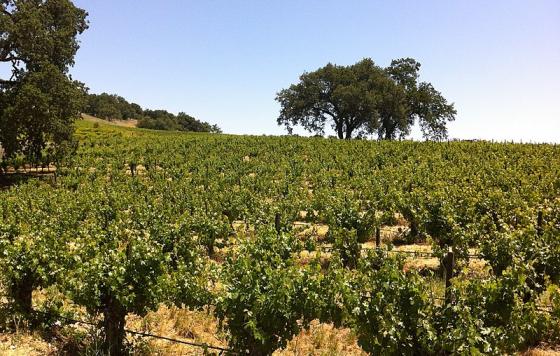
{"points": [[223, 61]]}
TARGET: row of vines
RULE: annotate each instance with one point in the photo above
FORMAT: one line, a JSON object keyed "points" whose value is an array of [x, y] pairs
{"points": [[137, 219]]}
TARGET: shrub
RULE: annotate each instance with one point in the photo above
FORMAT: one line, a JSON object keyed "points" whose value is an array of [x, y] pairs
{"points": [[128, 257], [346, 245], [263, 304], [393, 314]]}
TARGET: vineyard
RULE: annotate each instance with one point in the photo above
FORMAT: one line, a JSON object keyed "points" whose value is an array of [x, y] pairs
{"points": [[416, 247]]}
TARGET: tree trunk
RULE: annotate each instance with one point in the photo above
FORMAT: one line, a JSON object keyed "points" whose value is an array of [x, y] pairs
{"points": [[448, 268], [389, 129], [540, 223], [414, 229], [348, 134], [388, 135], [257, 349], [113, 325], [22, 293], [339, 131], [277, 223]]}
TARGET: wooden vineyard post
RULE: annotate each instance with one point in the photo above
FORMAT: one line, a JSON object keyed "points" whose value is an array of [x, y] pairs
{"points": [[448, 266], [277, 223], [132, 166], [540, 223], [378, 237]]}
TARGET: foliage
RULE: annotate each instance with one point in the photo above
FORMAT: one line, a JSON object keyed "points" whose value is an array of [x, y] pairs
{"points": [[345, 243], [393, 313], [133, 218], [111, 255], [112, 107], [493, 316], [162, 120], [261, 303], [36, 222]]}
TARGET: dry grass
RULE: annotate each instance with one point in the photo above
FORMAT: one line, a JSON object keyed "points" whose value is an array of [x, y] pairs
{"points": [[305, 257], [422, 264], [194, 326], [391, 233], [121, 123], [240, 227], [24, 345], [140, 170], [477, 268], [28, 169], [324, 340], [183, 324], [317, 230], [541, 352], [401, 220], [421, 248], [419, 263]]}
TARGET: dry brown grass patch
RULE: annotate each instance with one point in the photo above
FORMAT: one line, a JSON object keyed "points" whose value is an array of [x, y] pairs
{"points": [[322, 339], [121, 123], [541, 352], [305, 257], [183, 324], [24, 345], [391, 233]]}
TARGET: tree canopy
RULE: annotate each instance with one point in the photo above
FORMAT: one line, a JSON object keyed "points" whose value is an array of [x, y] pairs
{"points": [[40, 100], [365, 99], [112, 107]]}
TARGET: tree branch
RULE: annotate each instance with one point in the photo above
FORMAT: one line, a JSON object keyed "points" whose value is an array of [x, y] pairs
{"points": [[328, 112], [12, 59], [5, 51], [7, 82], [9, 14]]}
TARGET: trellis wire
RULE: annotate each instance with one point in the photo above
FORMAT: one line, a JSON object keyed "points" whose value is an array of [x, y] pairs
{"points": [[144, 334]]}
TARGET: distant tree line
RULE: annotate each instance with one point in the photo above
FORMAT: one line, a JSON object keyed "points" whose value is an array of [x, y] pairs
{"points": [[163, 120], [115, 107], [112, 107]]}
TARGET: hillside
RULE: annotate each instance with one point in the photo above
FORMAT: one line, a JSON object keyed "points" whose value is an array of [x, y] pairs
{"points": [[113, 107], [121, 123], [285, 243]]}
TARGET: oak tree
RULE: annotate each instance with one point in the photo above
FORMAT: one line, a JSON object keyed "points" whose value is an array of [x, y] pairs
{"points": [[39, 100], [365, 99]]}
